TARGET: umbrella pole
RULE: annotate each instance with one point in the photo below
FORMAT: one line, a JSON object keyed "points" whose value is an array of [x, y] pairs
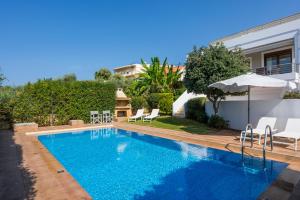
{"points": [[248, 104], [249, 116]]}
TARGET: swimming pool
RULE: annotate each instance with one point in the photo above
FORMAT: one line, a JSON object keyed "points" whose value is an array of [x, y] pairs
{"points": [[115, 164]]}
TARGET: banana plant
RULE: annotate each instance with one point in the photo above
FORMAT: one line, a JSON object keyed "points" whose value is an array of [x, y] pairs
{"points": [[157, 77]]}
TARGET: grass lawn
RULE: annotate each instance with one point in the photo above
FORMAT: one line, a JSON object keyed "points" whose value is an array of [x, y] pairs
{"points": [[176, 124]]}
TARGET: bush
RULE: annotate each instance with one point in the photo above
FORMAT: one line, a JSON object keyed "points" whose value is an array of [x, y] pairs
{"points": [[218, 122], [138, 103], [7, 95], [178, 92], [62, 101], [163, 101], [292, 95], [195, 109]]}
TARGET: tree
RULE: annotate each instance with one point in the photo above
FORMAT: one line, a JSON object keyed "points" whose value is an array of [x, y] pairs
{"points": [[158, 78], [207, 65], [2, 78], [103, 74], [135, 89], [69, 77], [173, 77], [120, 81]]}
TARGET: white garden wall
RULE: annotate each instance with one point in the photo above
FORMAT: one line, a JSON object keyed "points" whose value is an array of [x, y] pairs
{"points": [[236, 111]]}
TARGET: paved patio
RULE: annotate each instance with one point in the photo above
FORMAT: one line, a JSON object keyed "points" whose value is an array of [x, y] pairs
{"points": [[214, 138], [28, 168]]}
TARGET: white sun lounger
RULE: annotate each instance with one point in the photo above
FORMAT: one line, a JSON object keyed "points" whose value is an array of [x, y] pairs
{"points": [[154, 114], [260, 128], [139, 115], [292, 131]]}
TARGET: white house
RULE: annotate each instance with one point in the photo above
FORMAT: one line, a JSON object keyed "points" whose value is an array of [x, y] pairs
{"points": [[273, 50], [132, 70]]}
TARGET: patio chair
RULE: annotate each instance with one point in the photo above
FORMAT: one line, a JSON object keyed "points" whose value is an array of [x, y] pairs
{"points": [[153, 115], [260, 128], [291, 131], [107, 117], [94, 117], [139, 115]]}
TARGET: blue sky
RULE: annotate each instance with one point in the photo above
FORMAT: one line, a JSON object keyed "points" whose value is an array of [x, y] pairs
{"points": [[42, 39]]}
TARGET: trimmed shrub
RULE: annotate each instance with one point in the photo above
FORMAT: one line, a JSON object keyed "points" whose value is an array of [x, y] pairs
{"points": [[163, 101], [138, 103], [217, 121], [60, 101], [292, 95], [195, 109], [7, 95], [178, 92]]}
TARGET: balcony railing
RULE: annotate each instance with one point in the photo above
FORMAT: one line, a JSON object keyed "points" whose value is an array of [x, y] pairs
{"points": [[276, 69]]}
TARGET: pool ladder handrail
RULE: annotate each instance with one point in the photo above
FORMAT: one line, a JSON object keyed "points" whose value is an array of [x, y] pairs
{"points": [[268, 128], [244, 135]]}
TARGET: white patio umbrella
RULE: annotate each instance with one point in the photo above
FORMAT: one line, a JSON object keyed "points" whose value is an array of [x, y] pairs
{"points": [[245, 82]]}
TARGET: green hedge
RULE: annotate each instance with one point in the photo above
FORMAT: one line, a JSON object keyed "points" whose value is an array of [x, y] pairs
{"points": [[195, 109], [292, 95], [163, 101], [65, 100], [138, 103], [218, 122], [7, 96]]}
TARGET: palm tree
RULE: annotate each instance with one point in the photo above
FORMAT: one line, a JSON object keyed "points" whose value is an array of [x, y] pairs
{"points": [[173, 77], [157, 77]]}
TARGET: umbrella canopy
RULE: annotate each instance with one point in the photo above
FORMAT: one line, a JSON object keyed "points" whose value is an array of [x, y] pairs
{"points": [[242, 82]]}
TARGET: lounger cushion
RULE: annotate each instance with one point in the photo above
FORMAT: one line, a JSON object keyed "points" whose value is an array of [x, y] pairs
{"points": [[285, 134]]}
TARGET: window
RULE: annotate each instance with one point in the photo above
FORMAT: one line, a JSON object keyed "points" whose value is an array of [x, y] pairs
{"points": [[279, 62]]}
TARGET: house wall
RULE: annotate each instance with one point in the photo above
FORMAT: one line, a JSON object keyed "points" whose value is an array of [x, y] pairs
{"points": [[280, 33], [129, 70], [255, 60], [236, 111]]}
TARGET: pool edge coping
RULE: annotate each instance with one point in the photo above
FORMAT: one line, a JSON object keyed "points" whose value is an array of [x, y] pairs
{"points": [[56, 131]]}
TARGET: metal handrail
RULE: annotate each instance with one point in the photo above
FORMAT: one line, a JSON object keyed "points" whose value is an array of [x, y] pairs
{"points": [[276, 69], [244, 135], [268, 128]]}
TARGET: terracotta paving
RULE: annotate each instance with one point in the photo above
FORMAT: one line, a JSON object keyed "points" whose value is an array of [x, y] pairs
{"points": [[37, 177], [228, 138], [48, 183]]}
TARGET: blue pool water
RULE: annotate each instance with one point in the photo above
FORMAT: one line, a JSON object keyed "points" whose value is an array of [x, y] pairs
{"points": [[114, 164]]}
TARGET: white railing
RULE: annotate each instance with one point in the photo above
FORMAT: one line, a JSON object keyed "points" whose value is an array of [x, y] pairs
{"points": [[179, 104]]}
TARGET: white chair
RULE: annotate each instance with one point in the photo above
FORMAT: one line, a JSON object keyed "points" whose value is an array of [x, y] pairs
{"points": [[260, 128], [107, 117], [154, 114], [291, 131], [94, 117], [139, 115]]}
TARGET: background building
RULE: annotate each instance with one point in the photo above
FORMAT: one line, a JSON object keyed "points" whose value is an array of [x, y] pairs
{"points": [[129, 71]]}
